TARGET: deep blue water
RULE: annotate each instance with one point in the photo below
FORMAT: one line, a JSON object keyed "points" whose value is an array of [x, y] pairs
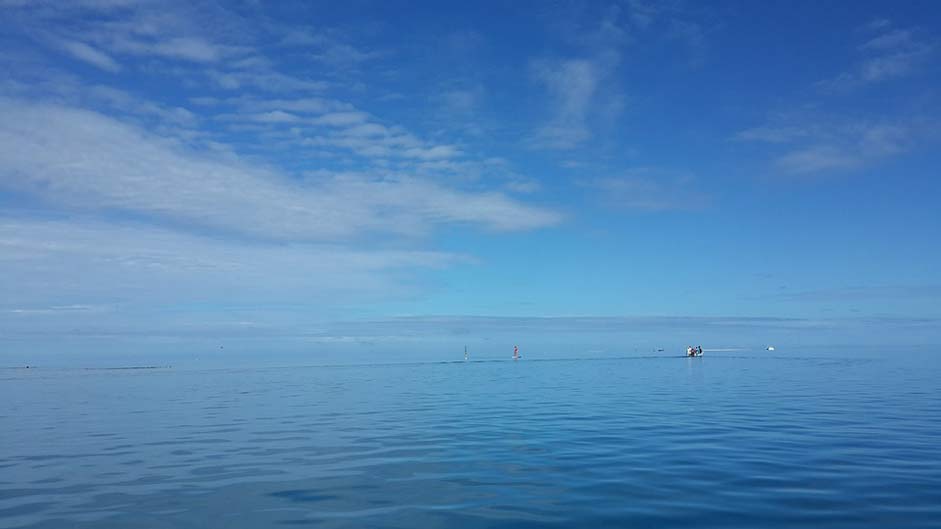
{"points": [[748, 440]]}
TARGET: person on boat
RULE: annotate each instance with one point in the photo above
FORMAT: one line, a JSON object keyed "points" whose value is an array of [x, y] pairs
{"points": [[689, 350], [699, 350]]}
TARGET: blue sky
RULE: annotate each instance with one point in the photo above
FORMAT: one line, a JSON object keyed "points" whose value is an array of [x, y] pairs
{"points": [[319, 176]]}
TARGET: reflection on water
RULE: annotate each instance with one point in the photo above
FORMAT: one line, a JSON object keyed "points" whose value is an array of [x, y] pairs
{"points": [[736, 441]]}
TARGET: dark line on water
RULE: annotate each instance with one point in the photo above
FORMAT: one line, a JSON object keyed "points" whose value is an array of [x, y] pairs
{"points": [[116, 368], [439, 362], [521, 360], [125, 368]]}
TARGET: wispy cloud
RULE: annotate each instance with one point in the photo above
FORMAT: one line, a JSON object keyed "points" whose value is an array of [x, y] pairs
{"points": [[875, 24], [773, 134], [461, 101], [174, 36], [56, 310], [866, 293], [330, 47], [582, 88], [193, 49], [701, 326], [894, 39], [816, 144], [306, 104], [648, 189], [693, 36], [818, 158], [354, 130], [86, 53], [100, 164], [891, 53], [78, 266], [342, 119], [467, 324], [136, 28], [815, 139], [341, 54], [119, 101], [585, 89], [572, 85], [268, 81]]}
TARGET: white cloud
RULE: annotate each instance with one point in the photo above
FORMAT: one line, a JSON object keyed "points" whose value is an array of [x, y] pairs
{"points": [[273, 116], [773, 134], [819, 145], [876, 25], [86, 53], [175, 31], [880, 293], [461, 101], [572, 85], [642, 14], [692, 35], [57, 86], [341, 119], [328, 46], [187, 48], [642, 329], [523, 185], [432, 153], [80, 266], [100, 164], [97, 5], [893, 53], [125, 103], [486, 325], [888, 66], [268, 81], [352, 130], [293, 37], [811, 140], [367, 130], [54, 310], [818, 158], [649, 189], [585, 92], [310, 105], [342, 54], [880, 140], [163, 44], [891, 40]]}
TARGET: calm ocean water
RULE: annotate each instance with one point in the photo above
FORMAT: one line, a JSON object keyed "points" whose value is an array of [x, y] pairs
{"points": [[748, 440]]}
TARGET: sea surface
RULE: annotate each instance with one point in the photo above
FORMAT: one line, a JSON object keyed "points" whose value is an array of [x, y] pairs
{"points": [[798, 439]]}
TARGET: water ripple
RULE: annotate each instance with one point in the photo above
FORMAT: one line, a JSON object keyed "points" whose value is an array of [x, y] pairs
{"points": [[742, 441]]}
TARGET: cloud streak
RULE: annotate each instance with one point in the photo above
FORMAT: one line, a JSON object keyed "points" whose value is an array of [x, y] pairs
{"points": [[892, 53], [572, 85], [101, 164], [647, 189], [86, 53], [815, 145], [87, 263]]}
